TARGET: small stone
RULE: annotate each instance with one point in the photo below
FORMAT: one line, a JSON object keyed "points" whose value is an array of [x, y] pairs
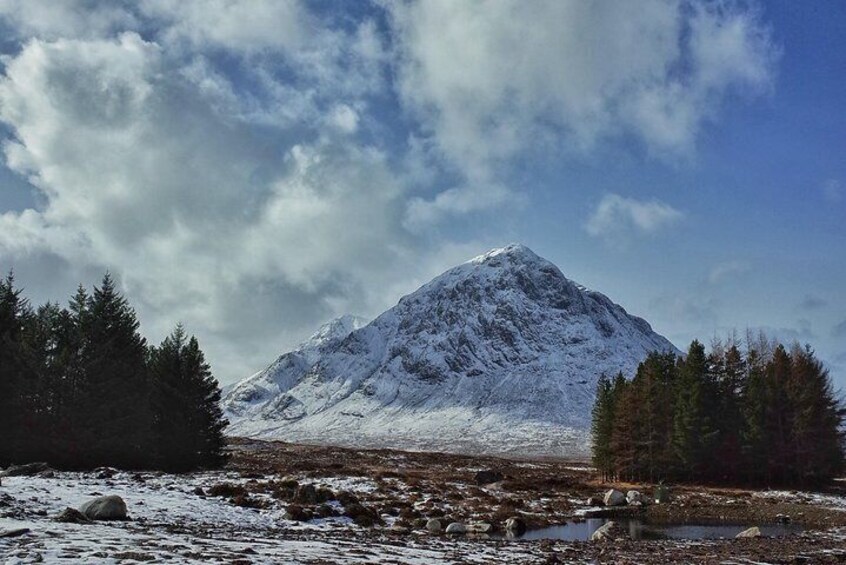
{"points": [[479, 528], [614, 498], [487, 477], [753, 532], [515, 526], [71, 516], [608, 531], [456, 528], [105, 508], [434, 526], [14, 533], [594, 501]]}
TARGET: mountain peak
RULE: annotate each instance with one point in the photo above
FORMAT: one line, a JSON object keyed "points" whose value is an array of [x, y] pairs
{"points": [[513, 251]]}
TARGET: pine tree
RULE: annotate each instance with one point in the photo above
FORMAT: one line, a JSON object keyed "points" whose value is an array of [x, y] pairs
{"points": [[13, 370], [816, 434], [602, 426], [188, 421], [115, 419], [694, 431]]}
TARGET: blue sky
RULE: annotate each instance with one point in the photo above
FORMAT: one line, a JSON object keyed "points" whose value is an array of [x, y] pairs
{"points": [[256, 168]]}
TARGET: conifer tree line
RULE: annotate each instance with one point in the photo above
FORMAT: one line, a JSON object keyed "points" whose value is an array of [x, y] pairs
{"points": [[80, 387], [766, 416]]}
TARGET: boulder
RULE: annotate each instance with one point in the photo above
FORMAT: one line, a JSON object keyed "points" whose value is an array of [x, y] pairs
{"points": [[595, 501], [13, 533], [608, 531], [487, 476], [27, 469], [456, 528], [479, 528], [614, 498], [433, 525], [753, 532], [515, 526], [110, 507], [306, 494], [635, 498], [71, 516], [297, 513]]}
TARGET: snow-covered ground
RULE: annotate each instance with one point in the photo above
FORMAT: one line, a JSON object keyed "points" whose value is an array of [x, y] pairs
{"points": [[171, 523]]}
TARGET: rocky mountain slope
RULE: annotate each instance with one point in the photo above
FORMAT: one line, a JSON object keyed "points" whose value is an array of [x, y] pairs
{"points": [[498, 355]]}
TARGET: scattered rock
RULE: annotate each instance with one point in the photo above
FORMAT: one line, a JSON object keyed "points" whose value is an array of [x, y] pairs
{"points": [[246, 501], [105, 472], [324, 495], [606, 532], [306, 494], [199, 491], [226, 490], [753, 532], [134, 556], [634, 497], [361, 515], [782, 518], [614, 498], [595, 501], [14, 533], [433, 525], [297, 513], [27, 469], [71, 516], [346, 498], [486, 477], [515, 526], [456, 528], [479, 528], [325, 511], [110, 507]]}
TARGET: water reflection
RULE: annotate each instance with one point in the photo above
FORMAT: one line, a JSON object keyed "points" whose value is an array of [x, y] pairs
{"points": [[638, 529]]}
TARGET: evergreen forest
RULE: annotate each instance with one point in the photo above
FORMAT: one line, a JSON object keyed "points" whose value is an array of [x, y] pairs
{"points": [[80, 388], [766, 416]]}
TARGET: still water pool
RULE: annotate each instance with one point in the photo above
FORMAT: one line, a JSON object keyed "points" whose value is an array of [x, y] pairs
{"points": [[638, 529]]}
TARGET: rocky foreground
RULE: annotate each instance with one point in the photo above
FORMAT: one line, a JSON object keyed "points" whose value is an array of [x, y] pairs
{"points": [[284, 503]]}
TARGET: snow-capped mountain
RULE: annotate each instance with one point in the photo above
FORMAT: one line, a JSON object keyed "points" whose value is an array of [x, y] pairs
{"points": [[497, 355]]}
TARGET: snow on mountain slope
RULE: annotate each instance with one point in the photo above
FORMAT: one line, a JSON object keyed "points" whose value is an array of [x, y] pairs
{"points": [[498, 355]]}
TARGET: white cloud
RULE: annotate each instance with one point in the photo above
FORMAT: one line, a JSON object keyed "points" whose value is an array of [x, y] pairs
{"points": [[490, 80], [203, 223], [67, 18], [422, 213], [617, 218], [244, 25], [728, 269]]}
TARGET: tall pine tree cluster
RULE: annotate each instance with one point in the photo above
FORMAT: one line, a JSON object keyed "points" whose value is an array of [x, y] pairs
{"points": [[769, 416], [80, 388]]}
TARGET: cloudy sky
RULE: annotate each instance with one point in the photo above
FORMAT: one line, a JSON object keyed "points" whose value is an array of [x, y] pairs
{"points": [[256, 167]]}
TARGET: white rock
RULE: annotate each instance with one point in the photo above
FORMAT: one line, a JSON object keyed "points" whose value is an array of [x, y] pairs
{"points": [[434, 526], [456, 528], [604, 532], [614, 498], [753, 532], [634, 497], [105, 508]]}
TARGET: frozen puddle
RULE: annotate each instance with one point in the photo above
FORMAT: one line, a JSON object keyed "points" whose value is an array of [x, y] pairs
{"points": [[638, 529]]}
